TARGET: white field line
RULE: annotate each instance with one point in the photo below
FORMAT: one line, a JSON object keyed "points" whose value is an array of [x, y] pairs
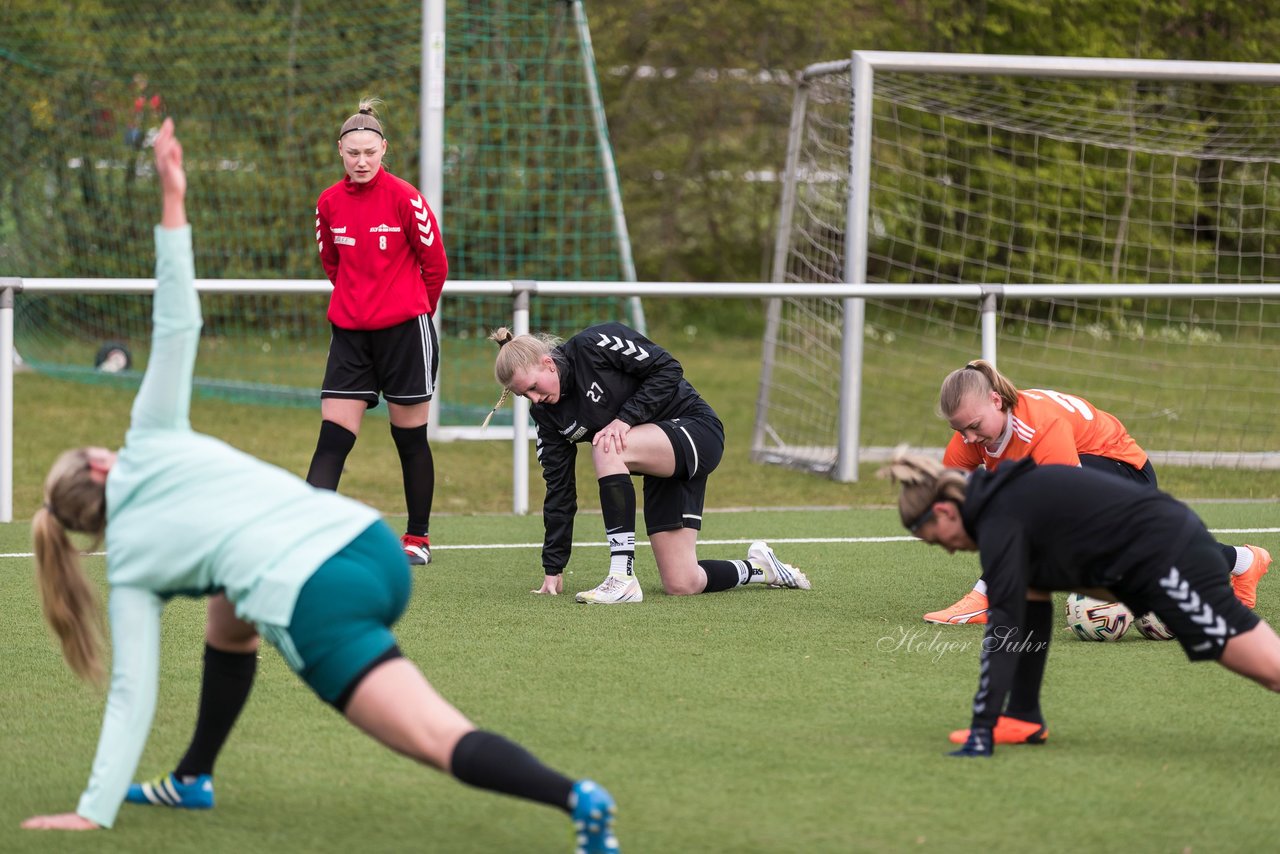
{"points": [[771, 540]]}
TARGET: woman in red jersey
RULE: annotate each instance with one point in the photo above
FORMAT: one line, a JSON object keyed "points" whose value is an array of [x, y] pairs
{"points": [[382, 250]]}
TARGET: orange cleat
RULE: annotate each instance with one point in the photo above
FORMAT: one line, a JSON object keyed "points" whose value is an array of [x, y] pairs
{"points": [[971, 609], [1009, 731], [1246, 583]]}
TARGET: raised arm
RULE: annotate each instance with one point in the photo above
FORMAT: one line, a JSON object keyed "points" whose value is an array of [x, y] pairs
{"points": [[164, 400], [173, 178]]}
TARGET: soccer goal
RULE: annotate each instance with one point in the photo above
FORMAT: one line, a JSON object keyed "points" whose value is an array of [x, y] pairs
{"points": [[1028, 176], [492, 109]]}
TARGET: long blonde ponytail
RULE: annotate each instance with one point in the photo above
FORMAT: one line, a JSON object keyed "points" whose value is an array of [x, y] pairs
{"points": [[72, 500]]}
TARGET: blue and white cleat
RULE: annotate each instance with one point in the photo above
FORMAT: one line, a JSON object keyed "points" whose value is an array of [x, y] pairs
{"points": [[593, 814], [776, 573], [169, 791]]}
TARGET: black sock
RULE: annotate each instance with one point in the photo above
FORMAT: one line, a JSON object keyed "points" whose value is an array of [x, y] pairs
{"points": [[489, 761], [1229, 553], [418, 468], [721, 575], [224, 689], [332, 447], [1024, 695], [618, 505]]}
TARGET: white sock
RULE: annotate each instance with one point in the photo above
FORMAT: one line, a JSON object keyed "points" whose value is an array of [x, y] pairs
{"points": [[622, 553], [980, 587], [1244, 560], [749, 572]]}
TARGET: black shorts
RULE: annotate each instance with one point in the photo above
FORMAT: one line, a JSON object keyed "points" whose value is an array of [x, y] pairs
{"points": [[1193, 598], [1146, 474], [675, 502], [400, 362]]}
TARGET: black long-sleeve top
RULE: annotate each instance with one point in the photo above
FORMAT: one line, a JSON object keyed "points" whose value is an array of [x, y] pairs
{"points": [[607, 371], [1058, 528]]}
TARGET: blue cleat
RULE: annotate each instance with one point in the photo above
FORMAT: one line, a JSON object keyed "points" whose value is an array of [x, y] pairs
{"points": [[593, 815], [169, 791]]}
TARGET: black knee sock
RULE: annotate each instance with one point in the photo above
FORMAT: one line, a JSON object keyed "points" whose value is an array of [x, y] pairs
{"points": [[1229, 554], [1024, 695], [332, 447], [224, 689], [489, 761], [418, 468], [721, 574], [618, 505]]}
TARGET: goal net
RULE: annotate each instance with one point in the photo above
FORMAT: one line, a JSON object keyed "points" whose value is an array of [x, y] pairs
{"points": [[1150, 173], [258, 91]]}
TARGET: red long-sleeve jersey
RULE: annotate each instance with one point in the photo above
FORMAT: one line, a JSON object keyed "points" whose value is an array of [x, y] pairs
{"points": [[382, 250]]}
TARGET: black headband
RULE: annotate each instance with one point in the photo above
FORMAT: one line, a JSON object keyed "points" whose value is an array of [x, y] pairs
{"points": [[362, 127], [920, 520]]}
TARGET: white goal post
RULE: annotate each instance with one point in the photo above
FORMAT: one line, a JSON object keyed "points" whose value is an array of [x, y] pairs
{"points": [[1027, 175]]}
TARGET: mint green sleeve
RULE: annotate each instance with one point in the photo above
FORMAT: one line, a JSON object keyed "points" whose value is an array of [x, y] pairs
{"points": [[131, 702], [164, 400]]}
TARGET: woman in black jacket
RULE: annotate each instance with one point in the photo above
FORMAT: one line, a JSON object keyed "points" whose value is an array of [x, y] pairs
{"points": [[1043, 528], [612, 387]]}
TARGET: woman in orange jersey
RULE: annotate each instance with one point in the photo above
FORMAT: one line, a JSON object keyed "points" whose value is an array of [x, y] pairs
{"points": [[994, 422]]}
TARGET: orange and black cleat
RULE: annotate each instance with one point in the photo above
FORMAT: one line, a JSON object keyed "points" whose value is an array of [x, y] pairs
{"points": [[1009, 731]]}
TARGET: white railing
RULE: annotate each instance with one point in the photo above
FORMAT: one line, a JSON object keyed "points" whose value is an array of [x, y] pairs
{"points": [[522, 291]]}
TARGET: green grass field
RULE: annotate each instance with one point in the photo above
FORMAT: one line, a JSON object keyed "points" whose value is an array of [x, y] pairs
{"points": [[475, 477], [749, 721]]}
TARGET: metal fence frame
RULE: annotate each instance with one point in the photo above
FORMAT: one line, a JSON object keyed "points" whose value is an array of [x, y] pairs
{"points": [[522, 292]]}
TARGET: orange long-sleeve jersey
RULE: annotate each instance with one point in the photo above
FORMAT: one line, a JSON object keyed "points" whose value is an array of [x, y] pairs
{"points": [[1051, 428]]}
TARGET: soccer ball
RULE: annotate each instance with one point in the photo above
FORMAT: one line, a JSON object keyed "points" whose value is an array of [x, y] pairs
{"points": [[1152, 627], [1095, 620]]}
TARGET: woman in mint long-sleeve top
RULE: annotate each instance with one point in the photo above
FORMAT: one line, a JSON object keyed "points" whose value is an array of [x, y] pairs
{"points": [[319, 575]]}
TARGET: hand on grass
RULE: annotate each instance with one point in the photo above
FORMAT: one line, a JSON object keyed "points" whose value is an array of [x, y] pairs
{"points": [[62, 821], [552, 585]]}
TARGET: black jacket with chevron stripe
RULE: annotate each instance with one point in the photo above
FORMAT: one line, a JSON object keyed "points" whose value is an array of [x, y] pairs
{"points": [[1054, 528], [607, 371]]}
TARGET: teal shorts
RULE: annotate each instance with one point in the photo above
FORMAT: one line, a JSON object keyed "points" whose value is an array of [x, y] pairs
{"points": [[341, 626]]}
